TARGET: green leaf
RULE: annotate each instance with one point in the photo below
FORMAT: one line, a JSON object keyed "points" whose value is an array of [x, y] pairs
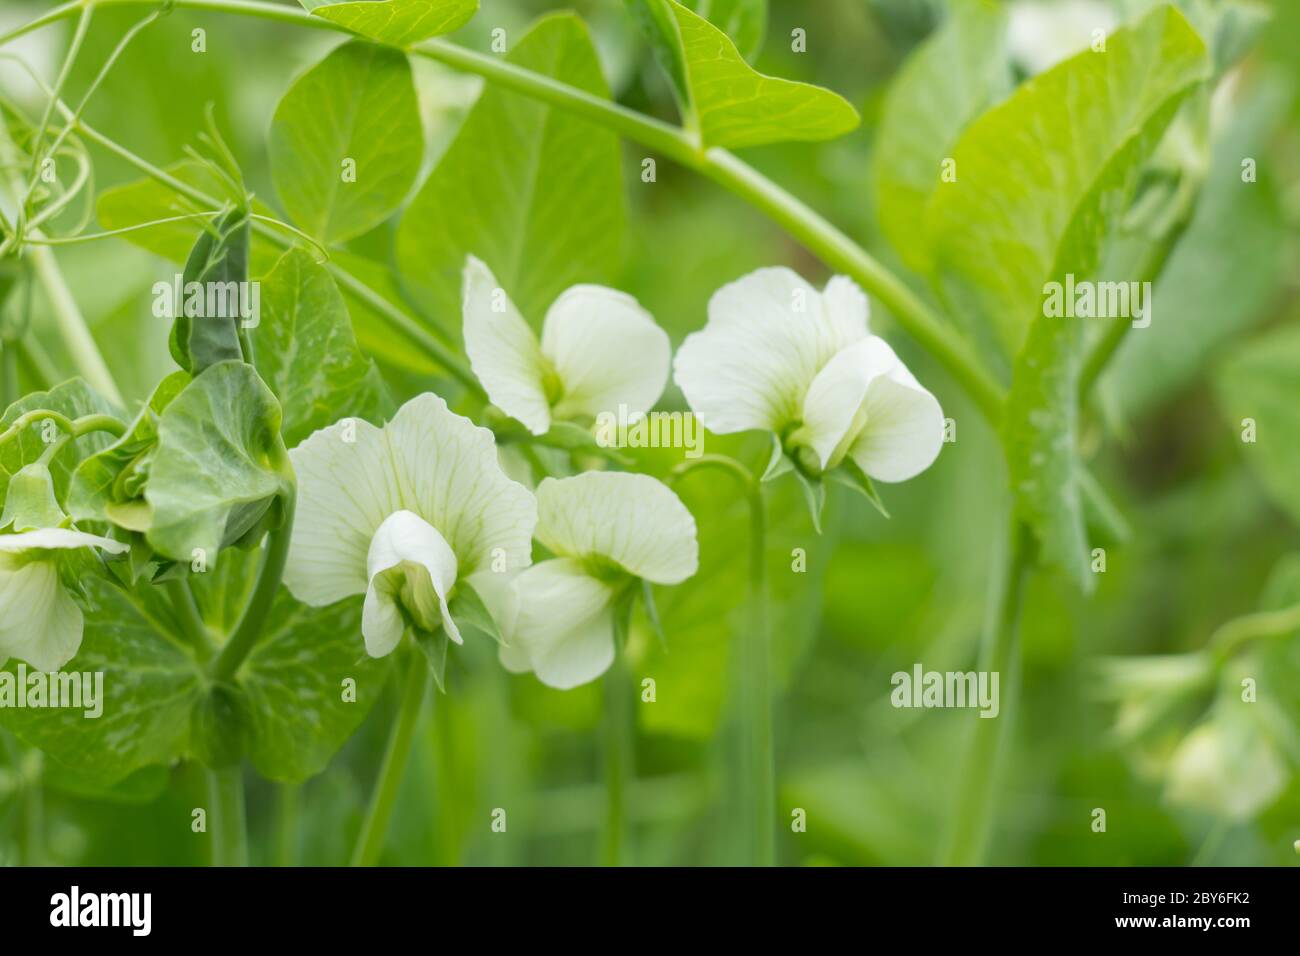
{"points": [[218, 728], [346, 141], [570, 436], [147, 200], [467, 608], [151, 683], [110, 476], [207, 323], [1023, 210], [297, 686], [73, 398], [533, 191], [745, 21], [399, 22], [1261, 382], [216, 474], [307, 354], [725, 101], [952, 77]]}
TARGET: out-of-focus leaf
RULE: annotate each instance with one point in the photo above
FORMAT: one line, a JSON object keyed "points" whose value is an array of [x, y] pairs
{"points": [[346, 141], [306, 353], [1261, 382], [1022, 211], [533, 191], [722, 98], [957, 73], [399, 22]]}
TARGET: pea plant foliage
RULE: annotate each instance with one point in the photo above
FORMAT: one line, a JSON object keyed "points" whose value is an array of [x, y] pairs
{"points": [[278, 534]]}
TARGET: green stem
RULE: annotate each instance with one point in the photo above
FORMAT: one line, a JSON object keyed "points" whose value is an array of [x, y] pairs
{"points": [[194, 630], [250, 625], [980, 778], [1113, 337], [620, 747], [31, 851], [286, 844], [1229, 638], [370, 842], [226, 821], [9, 389], [754, 650]]}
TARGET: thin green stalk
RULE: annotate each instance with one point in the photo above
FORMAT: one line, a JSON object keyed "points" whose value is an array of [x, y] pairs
{"points": [[1231, 637], [620, 761], [289, 798], [31, 835], [74, 47], [1114, 335], [193, 629], [249, 629], [226, 819], [370, 842], [754, 649], [981, 774]]}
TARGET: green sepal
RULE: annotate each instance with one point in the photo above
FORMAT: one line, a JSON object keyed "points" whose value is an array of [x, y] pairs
{"points": [[468, 610], [30, 501], [814, 494], [433, 645], [219, 256], [850, 475], [652, 613], [570, 436], [779, 463]]}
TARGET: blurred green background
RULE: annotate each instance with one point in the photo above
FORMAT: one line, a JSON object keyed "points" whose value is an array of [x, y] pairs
{"points": [[1208, 542]]}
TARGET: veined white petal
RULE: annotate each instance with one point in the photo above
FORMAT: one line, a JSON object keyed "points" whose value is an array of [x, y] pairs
{"points": [[346, 488], [59, 538], [451, 478], [411, 567], [848, 313], [834, 400], [767, 336], [503, 351], [904, 427], [39, 621], [428, 460], [633, 520], [606, 350], [564, 626]]}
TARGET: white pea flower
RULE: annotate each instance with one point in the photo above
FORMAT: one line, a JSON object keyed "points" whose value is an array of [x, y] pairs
{"points": [[777, 355], [40, 623], [606, 530], [401, 514], [599, 349]]}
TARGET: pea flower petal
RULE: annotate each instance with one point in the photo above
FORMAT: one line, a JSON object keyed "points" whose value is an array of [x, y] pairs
{"points": [[768, 335], [403, 511], [39, 621], [607, 529], [634, 521], [410, 565], [867, 404], [563, 624], [599, 349]]}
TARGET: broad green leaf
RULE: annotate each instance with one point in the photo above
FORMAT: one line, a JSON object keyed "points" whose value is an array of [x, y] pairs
{"points": [[117, 474], [208, 319], [1023, 209], [399, 22], [952, 77], [291, 707], [723, 99], [73, 398], [216, 475], [297, 686], [1258, 388], [346, 141], [147, 200], [306, 353], [1022, 212], [533, 191], [745, 21], [151, 682]]}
